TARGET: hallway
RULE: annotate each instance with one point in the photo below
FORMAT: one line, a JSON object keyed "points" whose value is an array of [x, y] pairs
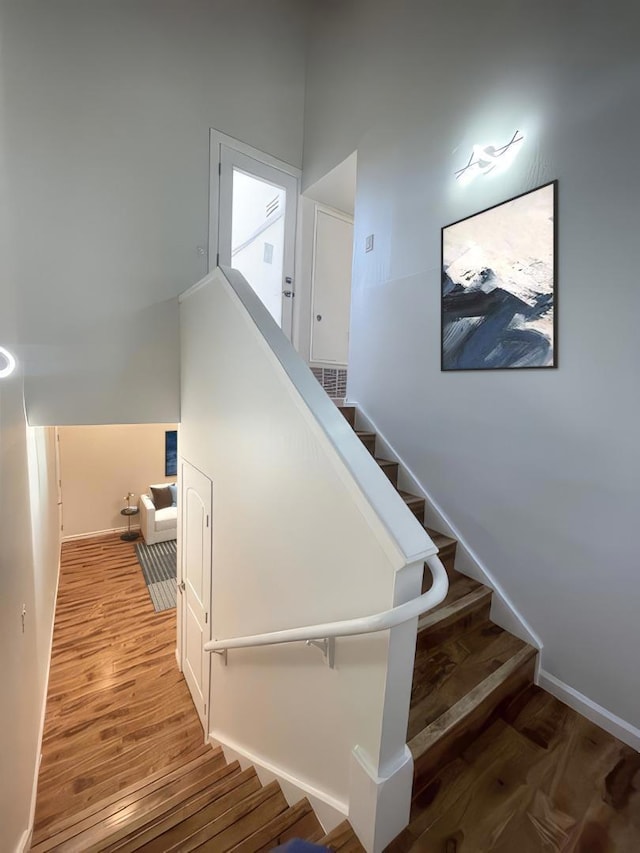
{"points": [[118, 709]]}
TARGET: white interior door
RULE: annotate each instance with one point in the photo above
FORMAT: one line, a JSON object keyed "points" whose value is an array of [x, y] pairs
{"points": [[331, 286], [195, 585], [257, 228]]}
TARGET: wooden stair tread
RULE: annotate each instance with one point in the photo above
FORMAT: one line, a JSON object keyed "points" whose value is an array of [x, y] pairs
{"points": [[446, 723], [368, 439], [349, 413], [298, 821], [444, 674], [410, 499], [342, 839], [441, 540], [538, 778], [389, 468], [191, 815], [236, 824], [459, 611], [121, 799], [315, 837], [106, 828]]}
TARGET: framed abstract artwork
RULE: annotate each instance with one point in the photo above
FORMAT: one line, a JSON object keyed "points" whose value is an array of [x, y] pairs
{"points": [[171, 453], [499, 301]]}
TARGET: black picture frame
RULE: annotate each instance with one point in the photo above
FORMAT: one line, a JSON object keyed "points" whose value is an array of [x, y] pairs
{"points": [[498, 290], [171, 453]]}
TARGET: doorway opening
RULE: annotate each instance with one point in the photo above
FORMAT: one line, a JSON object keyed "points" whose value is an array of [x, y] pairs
{"points": [[328, 208]]}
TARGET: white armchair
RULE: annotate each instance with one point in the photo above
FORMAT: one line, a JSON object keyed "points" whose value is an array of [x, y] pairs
{"points": [[157, 525]]}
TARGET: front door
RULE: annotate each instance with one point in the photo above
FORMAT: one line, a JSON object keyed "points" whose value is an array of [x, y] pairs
{"points": [[257, 228], [196, 585]]}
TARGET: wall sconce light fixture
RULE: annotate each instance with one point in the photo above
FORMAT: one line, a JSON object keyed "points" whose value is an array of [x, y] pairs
{"points": [[488, 158], [7, 363]]}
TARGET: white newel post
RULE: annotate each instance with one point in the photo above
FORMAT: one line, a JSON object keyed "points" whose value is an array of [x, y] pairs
{"points": [[380, 786]]}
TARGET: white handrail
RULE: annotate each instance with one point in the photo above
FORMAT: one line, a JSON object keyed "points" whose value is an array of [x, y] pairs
{"points": [[349, 627]]}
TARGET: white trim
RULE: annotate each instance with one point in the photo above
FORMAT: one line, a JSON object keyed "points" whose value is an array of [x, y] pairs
{"points": [[74, 536], [608, 721], [216, 140], [216, 137], [329, 810], [24, 845], [377, 824], [503, 611], [25, 842]]}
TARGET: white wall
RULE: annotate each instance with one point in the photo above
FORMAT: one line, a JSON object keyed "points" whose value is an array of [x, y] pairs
{"points": [[101, 464], [29, 560], [538, 470], [295, 543], [107, 108]]}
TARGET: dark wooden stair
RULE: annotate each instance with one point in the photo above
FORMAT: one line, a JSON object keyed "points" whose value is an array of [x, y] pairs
{"points": [[201, 804], [466, 668]]}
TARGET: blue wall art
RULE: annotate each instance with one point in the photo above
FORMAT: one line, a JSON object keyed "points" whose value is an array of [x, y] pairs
{"points": [[170, 453], [499, 286]]}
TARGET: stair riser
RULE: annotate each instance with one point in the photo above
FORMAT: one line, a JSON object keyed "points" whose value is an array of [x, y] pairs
{"points": [[391, 472], [451, 744], [457, 625], [418, 510], [349, 413], [369, 442]]}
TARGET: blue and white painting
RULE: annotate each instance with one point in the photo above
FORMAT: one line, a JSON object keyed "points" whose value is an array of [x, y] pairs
{"points": [[498, 286]]}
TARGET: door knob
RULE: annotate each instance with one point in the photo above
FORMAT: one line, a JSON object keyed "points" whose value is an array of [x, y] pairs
{"points": [[318, 317]]}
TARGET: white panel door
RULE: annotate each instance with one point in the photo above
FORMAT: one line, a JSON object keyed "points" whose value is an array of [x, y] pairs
{"points": [[331, 286], [257, 229], [196, 585]]}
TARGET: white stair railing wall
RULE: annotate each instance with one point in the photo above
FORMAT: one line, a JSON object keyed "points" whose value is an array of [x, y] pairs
{"points": [[306, 529]]}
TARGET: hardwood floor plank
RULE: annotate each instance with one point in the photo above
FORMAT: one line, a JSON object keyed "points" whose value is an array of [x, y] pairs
{"points": [[192, 815], [442, 740], [128, 795], [118, 709], [124, 817], [277, 830], [342, 839], [234, 824]]}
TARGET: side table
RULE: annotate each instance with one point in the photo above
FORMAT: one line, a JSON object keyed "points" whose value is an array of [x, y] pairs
{"points": [[130, 535]]}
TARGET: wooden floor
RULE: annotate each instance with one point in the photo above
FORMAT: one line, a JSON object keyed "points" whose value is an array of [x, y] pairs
{"points": [[118, 709], [540, 778]]}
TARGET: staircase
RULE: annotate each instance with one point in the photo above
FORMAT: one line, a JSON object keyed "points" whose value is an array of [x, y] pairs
{"points": [[466, 668], [203, 804]]}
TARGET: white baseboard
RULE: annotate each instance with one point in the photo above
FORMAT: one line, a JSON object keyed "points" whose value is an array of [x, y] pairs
{"points": [[329, 810], [24, 845], [608, 721], [74, 536], [503, 611], [25, 841]]}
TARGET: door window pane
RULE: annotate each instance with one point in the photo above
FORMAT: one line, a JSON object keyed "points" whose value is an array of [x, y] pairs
{"points": [[257, 237]]}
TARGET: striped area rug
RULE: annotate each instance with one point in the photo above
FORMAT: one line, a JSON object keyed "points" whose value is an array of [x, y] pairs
{"points": [[158, 563]]}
